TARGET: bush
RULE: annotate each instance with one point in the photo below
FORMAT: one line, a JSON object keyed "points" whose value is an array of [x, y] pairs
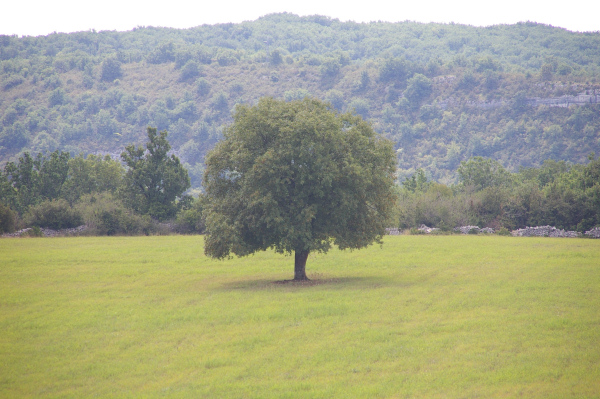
{"points": [[190, 220], [53, 214], [105, 215], [8, 219], [189, 71], [504, 232], [202, 87], [32, 232]]}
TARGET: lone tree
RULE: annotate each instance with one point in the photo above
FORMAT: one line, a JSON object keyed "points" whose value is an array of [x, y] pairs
{"points": [[297, 177]]}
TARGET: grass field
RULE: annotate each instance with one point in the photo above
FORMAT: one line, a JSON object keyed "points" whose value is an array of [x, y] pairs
{"points": [[420, 317]]}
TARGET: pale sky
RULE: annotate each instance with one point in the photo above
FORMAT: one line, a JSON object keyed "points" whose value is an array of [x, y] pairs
{"points": [[40, 17]]}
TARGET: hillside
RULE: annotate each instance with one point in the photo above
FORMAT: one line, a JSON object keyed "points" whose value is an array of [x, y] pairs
{"points": [[443, 92]]}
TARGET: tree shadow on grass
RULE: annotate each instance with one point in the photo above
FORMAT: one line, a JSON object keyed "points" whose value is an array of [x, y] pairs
{"points": [[316, 280]]}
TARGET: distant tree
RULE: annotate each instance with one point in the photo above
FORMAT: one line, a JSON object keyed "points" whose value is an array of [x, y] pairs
{"points": [[220, 102], [547, 71], [111, 70], [393, 70], [418, 88], [57, 97], [92, 174], [7, 219], [365, 80], [163, 53], [297, 177], [33, 179], [53, 172], [482, 172], [330, 68], [417, 182], [336, 98], [13, 137], [189, 71], [154, 180], [275, 58], [360, 106], [202, 87]]}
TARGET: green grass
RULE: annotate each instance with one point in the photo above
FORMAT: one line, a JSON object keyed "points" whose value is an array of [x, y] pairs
{"points": [[420, 317]]}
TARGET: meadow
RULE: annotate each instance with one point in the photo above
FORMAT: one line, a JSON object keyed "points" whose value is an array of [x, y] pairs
{"points": [[419, 317]]}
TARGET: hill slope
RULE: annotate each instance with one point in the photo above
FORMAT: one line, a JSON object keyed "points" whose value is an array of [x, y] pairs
{"points": [[442, 92]]}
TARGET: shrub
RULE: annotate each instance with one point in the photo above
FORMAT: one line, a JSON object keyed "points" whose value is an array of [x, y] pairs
{"points": [[202, 87], [190, 220], [105, 215], [8, 219], [189, 71], [504, 232], [32, 232], [53, 214]]}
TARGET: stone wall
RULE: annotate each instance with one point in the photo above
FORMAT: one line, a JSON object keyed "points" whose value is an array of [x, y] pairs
{"points": [[544, 231]]}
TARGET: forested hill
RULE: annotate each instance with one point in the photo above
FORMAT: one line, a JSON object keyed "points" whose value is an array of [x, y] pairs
{"points": [[443, 92]]}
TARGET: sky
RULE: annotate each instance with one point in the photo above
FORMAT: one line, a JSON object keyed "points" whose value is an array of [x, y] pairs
{"points": [[41, 17]]}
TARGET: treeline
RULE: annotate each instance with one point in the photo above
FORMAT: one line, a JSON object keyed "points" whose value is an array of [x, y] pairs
{"points": [[558, 194], [58, 191], [443, 92]]}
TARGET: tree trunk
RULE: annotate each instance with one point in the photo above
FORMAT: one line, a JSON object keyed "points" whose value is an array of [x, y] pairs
{"points": [[300, 265]]}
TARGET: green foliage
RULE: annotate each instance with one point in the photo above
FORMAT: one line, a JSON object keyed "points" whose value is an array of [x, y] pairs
{"points": [[394, 70], [104, 214], [503, 232], [503, 109], [153, 180], [92, 174], [296, 177], [557, 194], [417, 182], [434, 205], [54, 214], [361, 107], [163, 53], [32, 180], [481, 173], [330, 68], [295, 95], [189, 71], [110, 70], [191, 220], [57, 97], [336, 98], [275, 58], [418, 88], [34, 231], [8, 219], [220, 102]]}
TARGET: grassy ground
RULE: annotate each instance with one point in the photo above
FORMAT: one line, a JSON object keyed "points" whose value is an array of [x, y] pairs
{"points": [[420, 317]]}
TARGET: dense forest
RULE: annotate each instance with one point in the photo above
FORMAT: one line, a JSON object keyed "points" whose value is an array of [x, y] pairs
{"points": [[519, 94]]}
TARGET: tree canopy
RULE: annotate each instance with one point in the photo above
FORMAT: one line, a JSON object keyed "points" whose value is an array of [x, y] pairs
{"points": [[297, 177], [154, 179]]}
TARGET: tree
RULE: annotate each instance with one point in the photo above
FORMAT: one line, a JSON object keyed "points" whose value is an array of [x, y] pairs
{"points": [[189, 71], [111, 70], [393, 70], [92, 174], [482, 172], [154, 180], [297, 177], [33, 179], [419, 88]]}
